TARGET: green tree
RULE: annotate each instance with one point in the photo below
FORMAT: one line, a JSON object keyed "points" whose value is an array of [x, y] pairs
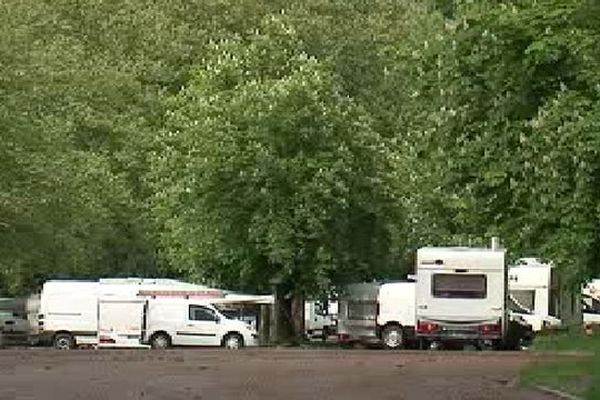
{"points": [[506, 128], [269, 171]]}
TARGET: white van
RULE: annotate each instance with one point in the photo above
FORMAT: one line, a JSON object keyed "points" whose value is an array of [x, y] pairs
{"points": [[188, 322], [378, 313], [68, 313], [126, 314], [461, 296]]}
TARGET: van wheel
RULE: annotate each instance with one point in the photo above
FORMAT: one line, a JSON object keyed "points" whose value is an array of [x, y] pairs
{"points": [[64, 341], [393, 337], [160, 341], [233, 341]]}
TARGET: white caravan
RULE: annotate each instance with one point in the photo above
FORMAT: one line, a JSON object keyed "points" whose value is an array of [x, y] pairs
{"points": [[590, 302], [377, 313], [461, 296], [117, 313], [534, 293]]}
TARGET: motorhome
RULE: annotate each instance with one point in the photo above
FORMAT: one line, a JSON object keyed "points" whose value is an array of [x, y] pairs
{"points": [[375, 313], [534, 293], [461, 296], [128, 313]]}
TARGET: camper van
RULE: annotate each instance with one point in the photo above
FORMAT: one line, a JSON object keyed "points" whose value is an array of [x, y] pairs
{"points": [[461, 296], [377, 313], [135, 313]]}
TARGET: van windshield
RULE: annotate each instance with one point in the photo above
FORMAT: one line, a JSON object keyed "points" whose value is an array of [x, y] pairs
{"points": [[459, 286]]}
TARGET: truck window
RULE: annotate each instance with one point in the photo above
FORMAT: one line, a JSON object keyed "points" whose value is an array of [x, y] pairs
{"points": [[458, 286], [200, 313]]}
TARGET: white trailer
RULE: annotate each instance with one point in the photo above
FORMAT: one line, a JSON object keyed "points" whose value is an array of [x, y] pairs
{"points": [[534, 293], [590, 303], [377, 313], [461, 296]]}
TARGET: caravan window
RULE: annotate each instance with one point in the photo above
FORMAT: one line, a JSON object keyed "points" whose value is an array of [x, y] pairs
{"points": [[200, 313], [458, 286], [524, 297]]}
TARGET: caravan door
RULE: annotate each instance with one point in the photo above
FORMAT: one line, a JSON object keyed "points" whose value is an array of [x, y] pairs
{"points": [[121, 323]]}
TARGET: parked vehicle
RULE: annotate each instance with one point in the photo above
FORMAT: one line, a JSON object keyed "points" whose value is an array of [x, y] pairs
{"points": [[461, 296], [536, 321], [185, 322], [11, 322], [375, 313], [535, 293], [320, 318], [591, 310], [134, 312], [68, 313]]}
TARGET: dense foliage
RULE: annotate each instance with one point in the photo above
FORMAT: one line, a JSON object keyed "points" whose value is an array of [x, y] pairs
{"points": [[319, 142]]}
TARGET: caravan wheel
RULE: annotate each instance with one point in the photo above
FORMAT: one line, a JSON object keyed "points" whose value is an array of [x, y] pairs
{"points": [[393, 337]]}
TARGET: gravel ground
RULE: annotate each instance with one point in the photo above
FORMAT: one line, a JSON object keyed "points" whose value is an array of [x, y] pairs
{"points": [[261, 374]]}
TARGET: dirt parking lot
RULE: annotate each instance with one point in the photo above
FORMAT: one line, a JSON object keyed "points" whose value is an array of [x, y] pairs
{"points": [[261, 374]]}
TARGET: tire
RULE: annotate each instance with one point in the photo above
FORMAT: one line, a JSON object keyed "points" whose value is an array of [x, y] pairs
{"points": [[160, 341], [233, 341], [393, 337], [64, 341]]}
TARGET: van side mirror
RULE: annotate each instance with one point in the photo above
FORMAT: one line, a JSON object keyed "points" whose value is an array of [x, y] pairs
{"points": [[217, 319]]}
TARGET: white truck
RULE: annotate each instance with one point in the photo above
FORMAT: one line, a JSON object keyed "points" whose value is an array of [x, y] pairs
{"points": [[534, 293], [124, 313], [374, 313], [461, 296]]}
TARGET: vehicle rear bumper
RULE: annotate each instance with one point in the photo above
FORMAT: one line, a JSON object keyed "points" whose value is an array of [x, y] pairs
{"points": [[448, 336]]}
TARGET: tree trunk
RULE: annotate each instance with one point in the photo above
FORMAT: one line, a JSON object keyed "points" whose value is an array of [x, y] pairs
{"points": [[284, 333], [297, 314]]}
